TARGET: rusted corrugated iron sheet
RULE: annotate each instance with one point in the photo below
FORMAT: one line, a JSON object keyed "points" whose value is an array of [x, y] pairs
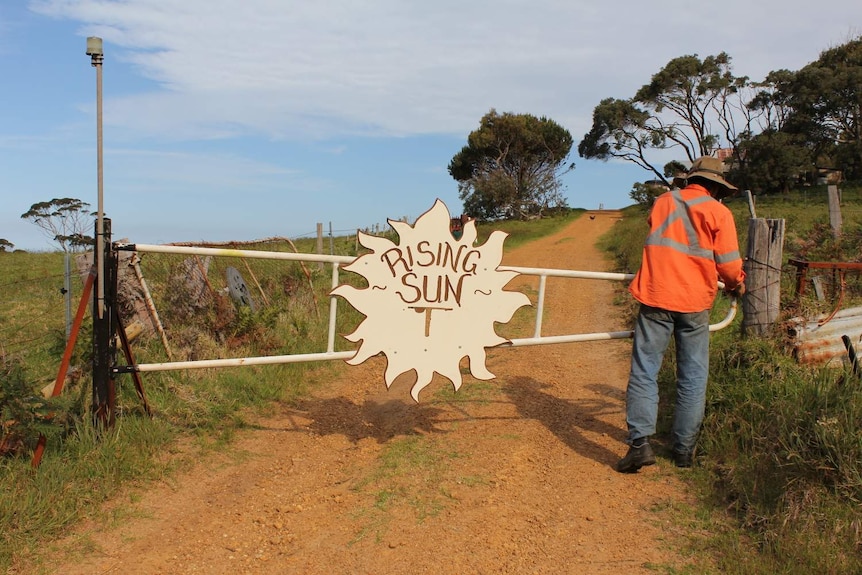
{"points": [[822, 344]]}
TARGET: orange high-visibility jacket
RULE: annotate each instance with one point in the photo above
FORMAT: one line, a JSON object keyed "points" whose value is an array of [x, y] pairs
{"points": [[692, 243]]}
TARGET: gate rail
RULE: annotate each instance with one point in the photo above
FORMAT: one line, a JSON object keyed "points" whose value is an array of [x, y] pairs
{"points": [[337, 261]]}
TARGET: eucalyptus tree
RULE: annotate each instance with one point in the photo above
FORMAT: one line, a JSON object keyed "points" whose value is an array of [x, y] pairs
{"points": [[826, 101], [691, 105], [774, 152], [688, 97], [623, 130], [63, 220], [771, 100], [811, 120], [774, 162], [511, 167]]}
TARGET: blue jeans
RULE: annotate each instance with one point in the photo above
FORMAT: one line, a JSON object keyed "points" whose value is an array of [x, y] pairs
{"points": [[653, 331]]}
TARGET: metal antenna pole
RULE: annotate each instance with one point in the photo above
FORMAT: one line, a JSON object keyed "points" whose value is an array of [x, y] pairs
{"points": [[104, 346], [94, 50]]}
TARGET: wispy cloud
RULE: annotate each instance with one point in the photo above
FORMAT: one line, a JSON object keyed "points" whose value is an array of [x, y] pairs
{"points": [[265, 116], [318, 69]]}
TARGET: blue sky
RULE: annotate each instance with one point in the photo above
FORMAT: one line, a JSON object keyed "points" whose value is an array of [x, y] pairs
{"points": [[227, 120]]}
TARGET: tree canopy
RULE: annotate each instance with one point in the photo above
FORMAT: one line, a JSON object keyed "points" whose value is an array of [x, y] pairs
{"points": [[63, 220], [827, 94], [623, 130], [686, 105], [777, 131], [511, 167]]}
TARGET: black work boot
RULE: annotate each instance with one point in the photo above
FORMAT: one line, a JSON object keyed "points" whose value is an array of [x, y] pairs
{"points": [[638, 456], [683, 459]]}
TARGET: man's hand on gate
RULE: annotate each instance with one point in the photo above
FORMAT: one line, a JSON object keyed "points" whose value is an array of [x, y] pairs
{"points": [[738, 291]]}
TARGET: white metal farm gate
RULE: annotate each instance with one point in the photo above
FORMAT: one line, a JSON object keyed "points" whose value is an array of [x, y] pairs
{"points": [[337, 262]]}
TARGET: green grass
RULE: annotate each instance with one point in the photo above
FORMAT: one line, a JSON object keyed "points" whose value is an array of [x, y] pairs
{"points": [[32, 311], [521, 232], [70, 486], [801, 209], [783, 448]]}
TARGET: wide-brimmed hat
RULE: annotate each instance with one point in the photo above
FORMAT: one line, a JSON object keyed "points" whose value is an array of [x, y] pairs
{"points": [[711, 169]]}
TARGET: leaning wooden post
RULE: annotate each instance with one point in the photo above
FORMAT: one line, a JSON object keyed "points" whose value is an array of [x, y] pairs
{"points": [[151, 307], [834, 209], [750, 199], [762, 300]]}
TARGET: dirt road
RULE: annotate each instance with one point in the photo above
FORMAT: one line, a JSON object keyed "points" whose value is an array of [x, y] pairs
{"points": [[514, 475]]}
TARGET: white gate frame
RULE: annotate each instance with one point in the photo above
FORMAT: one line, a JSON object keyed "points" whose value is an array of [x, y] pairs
{"points": [[337, 261]]}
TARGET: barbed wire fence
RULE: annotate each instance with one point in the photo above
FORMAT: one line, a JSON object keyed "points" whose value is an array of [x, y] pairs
{"points": [[33, 322], [40, 331], [35, 306]]}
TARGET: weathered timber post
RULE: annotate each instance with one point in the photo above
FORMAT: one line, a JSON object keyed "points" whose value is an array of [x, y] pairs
{"points": [[762, 300], [104, 328], [834, 210], [750, 199]]}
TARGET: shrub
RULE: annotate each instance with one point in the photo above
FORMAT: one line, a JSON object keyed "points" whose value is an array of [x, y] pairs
{"points": [[22, 410]]}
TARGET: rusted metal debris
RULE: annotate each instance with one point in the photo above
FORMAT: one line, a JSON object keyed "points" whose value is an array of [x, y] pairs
{"points": [[818, 343]]}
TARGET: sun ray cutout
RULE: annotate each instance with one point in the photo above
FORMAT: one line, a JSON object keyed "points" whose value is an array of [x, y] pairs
{"points": [[431, 299]]}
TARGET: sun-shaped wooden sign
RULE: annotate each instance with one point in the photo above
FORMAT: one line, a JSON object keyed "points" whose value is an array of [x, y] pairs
{"points": [[431, 299]]}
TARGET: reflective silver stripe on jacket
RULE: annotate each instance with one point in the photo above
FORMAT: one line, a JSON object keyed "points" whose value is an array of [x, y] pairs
{"points": [[681, 211]]}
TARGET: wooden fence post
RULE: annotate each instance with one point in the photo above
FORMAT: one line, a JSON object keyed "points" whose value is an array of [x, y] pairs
{"points": [[762, 300], [834, 210]]}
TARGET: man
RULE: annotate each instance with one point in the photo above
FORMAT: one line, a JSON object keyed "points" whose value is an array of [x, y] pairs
{"points": [[692, 243]]}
